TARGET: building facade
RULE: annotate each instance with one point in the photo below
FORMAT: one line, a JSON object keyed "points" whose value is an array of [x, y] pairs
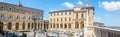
{"points": [[19, 18], [71, 20]]}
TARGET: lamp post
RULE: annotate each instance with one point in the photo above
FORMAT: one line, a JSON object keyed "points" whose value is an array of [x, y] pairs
{"points": [[34, 19]]}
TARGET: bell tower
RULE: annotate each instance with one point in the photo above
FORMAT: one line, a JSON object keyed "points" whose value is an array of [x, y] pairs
{"points": [[88, 27]]}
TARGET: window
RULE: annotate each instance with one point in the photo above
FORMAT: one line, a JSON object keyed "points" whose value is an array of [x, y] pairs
{"points": [[77, 15], [10, 8], [61, 13], [61, 25], [54, 14], [65, 19], [23, 17], [54, 19], [17, 17], [57, 13], [61, 19], [57, 19], [70, 13], [1, 7], [53, 25], [51, 14], [51, 19], [69, 18], [10, 17], [82, 15], [65, 13], [17, 9], [32, 12]]}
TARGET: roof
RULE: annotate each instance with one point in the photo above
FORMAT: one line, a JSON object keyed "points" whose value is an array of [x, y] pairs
{"points": [[20, 5], [61, 11]]}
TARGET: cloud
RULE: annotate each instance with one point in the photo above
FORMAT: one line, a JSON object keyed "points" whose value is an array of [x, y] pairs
{"points": [[110, 6], [69, 5], [79, 2], [106, 14]]}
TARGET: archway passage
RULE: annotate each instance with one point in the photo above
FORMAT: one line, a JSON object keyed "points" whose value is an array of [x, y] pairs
{"points": [[82, 24], [23, 26], [65, 26], [28, 25], [32, 25], [69, 25], [1, 25], [76, 25], [17, 26], [9, 26], [38, 25]]}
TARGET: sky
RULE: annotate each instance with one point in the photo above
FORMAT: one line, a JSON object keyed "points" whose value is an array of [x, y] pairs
{"points": [[106, 11]]}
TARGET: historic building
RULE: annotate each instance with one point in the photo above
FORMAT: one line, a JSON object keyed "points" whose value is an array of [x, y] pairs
{"points": [[71, 20], [19, 18]]}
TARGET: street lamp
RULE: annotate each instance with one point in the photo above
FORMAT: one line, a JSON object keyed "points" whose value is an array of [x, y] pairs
{"points": [[34, 19]]}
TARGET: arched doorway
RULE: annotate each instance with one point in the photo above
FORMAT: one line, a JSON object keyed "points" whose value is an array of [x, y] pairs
{"points": [[17, 26], [76, 24], [23, 26], [82, 24], [69, 25], [28, 25], [38, 25], [65, 26], [9, 26], [1, 25], [32, 25], [61, 25]]}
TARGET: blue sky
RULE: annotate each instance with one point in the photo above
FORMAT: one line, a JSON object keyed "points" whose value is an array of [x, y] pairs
{"points": [[106, 11]]}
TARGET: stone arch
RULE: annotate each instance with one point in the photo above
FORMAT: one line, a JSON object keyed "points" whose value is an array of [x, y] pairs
{"points": [[28, 25], [38, 25], [76, 24], [32, 25], [1, 25], [82, 24], [17, 26], [23, 26], [9, 26]]}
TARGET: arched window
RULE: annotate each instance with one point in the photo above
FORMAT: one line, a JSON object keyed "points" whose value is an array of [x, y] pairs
{"points": [[9, 26], [1, 25], [28, 25], [23, 26], [32, 25], [17, 26]]}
